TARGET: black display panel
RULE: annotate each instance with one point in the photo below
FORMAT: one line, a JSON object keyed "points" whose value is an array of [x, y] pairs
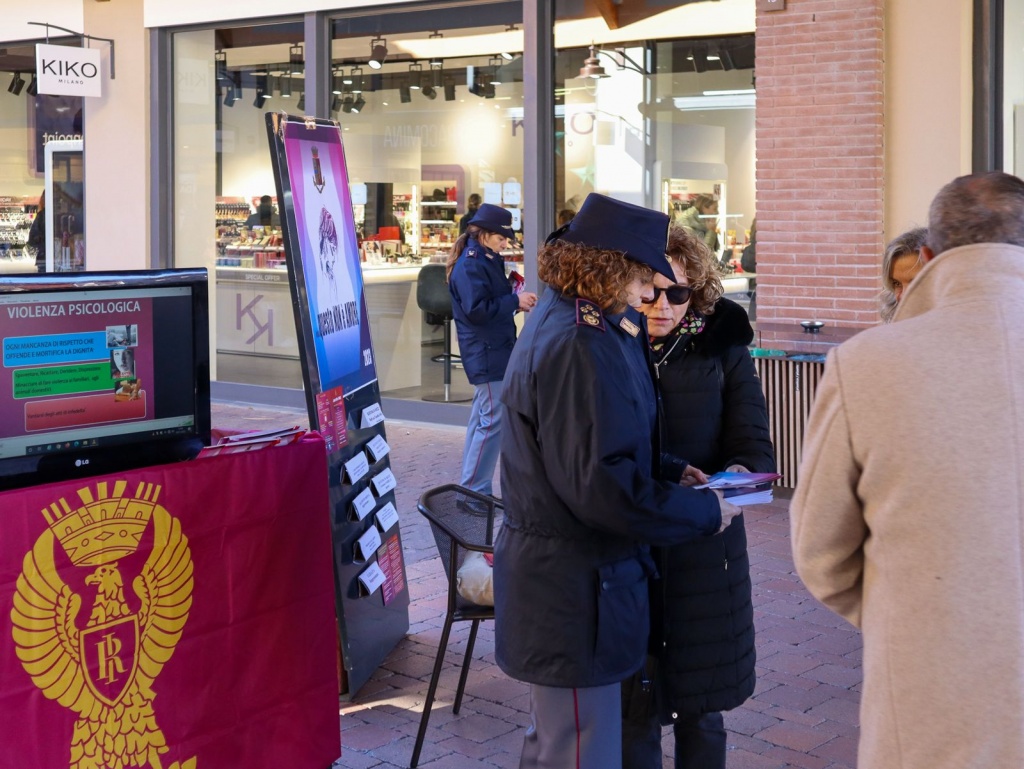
{"points": [[102, 372]]}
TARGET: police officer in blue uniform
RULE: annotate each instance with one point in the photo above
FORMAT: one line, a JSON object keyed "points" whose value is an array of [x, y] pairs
{"points": [[580, 482], [483, 305]]}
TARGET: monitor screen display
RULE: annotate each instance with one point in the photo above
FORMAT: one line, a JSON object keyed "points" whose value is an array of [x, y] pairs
{"points": [[102, 372]]}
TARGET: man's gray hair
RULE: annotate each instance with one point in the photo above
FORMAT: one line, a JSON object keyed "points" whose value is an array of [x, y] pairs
{"points": [[977, 208]]}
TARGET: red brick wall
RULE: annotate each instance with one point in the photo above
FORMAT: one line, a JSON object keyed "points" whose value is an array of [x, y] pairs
{"points": [[819, 76]]}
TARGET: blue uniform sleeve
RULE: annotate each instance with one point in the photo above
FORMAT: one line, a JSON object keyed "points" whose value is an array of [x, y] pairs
{"points": [[594, 442], [482, 297]]}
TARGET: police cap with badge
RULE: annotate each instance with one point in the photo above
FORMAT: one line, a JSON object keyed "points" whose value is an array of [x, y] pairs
{"points": [[611, 225], [493, 219]]}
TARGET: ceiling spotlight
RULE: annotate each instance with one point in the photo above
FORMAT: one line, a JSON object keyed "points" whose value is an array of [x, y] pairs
{"points": [[32, 86], [295, 54], [378, 52], [358, 104], [430, 92], [507, 55], [261, 93], [449, 90], [725, 56], [592, 66], [346, 79], [495, 63], [436, 62], [357, 80], [336, 103], [301, 105], [285, 85], [346, 104], [229, 96], [700, 59], [415, 71], [221, 65], [17, 84], [337, 84], [404, 94]]}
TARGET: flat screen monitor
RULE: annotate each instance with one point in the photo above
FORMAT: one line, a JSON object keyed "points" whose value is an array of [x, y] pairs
{"points": [[102, 372]]}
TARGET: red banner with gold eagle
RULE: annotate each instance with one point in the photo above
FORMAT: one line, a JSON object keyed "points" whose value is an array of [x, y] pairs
{"points": [[179, 617]]}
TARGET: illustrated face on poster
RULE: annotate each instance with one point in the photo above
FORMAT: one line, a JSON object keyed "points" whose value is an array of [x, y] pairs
{"points": [[330, 256]]}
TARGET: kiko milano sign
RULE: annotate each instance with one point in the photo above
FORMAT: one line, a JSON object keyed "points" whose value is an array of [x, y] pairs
{"points": [[69, 71]]}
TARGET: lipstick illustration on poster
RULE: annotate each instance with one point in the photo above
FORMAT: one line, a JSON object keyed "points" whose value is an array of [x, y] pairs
{"points": [[318, 176]]}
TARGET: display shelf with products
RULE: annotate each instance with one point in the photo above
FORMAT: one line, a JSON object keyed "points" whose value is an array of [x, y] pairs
{"points": [[242, 246], [437, 212], [16, 216]]}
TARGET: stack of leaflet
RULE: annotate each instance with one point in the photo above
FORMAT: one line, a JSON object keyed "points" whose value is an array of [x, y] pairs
{"points": [[253, 441], [743, 488]]}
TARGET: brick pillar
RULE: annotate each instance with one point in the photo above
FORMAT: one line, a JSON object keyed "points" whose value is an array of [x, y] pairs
{"points": [[819, 76]]}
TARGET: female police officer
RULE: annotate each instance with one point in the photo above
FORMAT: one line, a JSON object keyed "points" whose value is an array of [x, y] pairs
{"points": [[483, 305], [581, 497]]}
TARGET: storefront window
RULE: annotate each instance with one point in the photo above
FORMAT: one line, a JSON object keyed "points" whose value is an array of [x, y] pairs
{"points": [[658, 123], [438, 120], [225, 207], [28, 123]]}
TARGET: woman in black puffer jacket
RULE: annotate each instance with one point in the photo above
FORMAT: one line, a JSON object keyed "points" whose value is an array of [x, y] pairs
{"points": [[714, 416]]}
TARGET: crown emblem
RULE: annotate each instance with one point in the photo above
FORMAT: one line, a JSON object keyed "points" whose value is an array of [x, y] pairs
{"points": [[105, 527]]}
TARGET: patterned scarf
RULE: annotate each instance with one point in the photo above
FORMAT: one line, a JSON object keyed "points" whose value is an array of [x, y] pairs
{"points": [[691, 325]]}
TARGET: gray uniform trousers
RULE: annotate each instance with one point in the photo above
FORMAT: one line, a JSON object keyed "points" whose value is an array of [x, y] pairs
{"points": [[574, 728]]}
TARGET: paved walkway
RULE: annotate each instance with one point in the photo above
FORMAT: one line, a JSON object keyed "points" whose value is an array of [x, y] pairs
{"points": [[803, 713]]}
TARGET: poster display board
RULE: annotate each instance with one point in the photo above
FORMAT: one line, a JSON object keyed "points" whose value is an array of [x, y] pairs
{"points": [[342, 391]]}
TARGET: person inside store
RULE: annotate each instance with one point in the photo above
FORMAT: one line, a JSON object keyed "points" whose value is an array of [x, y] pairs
{"points": [[472, 206], [907, 519], [700, 220], [748, 261], [484, 306], [37, 234], [583, 495], [264, 216], [900, 264], [714, 414], [565, 216]]}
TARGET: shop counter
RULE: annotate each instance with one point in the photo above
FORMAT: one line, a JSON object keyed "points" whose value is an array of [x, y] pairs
{"points": [[183, 605]]}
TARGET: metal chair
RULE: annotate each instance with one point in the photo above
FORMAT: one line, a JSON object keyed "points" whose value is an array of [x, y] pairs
{"points": [[433, 298], [462, 521]]}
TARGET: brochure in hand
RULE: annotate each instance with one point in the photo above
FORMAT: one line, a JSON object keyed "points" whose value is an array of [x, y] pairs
{"points": [[516, 281], [726, 480], [743, 488]]}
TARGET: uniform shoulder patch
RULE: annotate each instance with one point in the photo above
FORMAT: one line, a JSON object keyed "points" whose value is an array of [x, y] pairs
{"points": [[471, 252], [589, 314], [629, 327]]}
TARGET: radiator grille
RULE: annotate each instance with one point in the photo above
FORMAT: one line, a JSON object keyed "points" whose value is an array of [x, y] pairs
{"points": [[789, 387]]}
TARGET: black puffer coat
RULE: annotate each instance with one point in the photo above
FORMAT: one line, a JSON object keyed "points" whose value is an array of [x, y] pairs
{"points": [[714, 416]]}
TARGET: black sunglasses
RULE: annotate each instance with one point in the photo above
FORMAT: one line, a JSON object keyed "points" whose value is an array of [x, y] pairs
{"points": [[675, 294]]}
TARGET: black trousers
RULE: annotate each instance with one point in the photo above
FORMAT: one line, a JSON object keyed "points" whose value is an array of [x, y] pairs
{"points": [[700, 742]]}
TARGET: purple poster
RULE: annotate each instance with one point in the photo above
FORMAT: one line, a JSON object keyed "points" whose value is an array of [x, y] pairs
{"points": [[329, 255]]}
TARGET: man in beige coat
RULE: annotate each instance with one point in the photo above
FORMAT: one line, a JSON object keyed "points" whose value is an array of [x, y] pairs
{"points": [[909, 516]]}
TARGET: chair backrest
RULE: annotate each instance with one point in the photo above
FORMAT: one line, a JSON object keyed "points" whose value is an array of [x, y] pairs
{"points": [[432, 292], [461, 521]]}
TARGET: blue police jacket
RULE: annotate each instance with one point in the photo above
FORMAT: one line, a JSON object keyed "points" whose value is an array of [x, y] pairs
{"points": [[483, 306], [582, 502]]}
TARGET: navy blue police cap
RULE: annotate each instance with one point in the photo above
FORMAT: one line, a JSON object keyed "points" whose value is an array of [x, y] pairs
{"points": [[493, 219], [612, 225]]}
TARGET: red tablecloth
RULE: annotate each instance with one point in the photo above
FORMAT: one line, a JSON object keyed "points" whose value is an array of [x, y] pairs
{"points": [[184, 611]]}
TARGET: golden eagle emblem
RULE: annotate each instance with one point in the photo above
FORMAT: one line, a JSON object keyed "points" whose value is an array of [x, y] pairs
{"points": [[104, 671]]}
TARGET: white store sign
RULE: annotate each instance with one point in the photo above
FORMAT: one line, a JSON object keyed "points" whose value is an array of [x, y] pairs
{"points": [[69, 71]]}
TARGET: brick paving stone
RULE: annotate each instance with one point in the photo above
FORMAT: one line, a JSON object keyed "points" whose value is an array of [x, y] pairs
{"points": [[809, 660]]}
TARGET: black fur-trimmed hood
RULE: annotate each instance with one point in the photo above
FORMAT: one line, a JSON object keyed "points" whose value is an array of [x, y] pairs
{"points": [[727, 326]]}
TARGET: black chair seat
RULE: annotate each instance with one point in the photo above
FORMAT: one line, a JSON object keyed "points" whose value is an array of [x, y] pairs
{"points": [[458, 530], [433, 298]]}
